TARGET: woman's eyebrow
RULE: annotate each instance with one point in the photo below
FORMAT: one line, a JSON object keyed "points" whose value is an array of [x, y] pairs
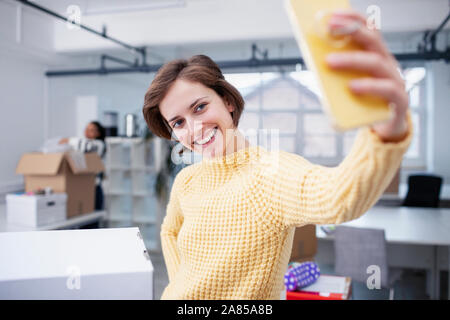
{"points": [[190, 107]]}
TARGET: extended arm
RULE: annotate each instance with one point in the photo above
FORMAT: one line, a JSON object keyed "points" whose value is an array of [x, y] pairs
{"points": [[300, 192]]}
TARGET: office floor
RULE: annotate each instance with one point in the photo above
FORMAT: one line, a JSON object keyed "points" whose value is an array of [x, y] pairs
{"points": [[410, 287], [160, 277]]}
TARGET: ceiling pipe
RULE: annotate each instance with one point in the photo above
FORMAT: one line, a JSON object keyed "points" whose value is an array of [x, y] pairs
{"points": [[236, 64], [105, 57], [428, 43], [139, 50]]}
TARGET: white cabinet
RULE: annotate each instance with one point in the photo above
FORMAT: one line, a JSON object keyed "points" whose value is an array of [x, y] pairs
{"points": [[36, 210], [132, 165], [75, 264]]}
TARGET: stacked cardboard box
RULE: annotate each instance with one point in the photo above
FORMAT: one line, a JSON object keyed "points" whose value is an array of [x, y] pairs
{"points": [[69, 172], [304, 246]]}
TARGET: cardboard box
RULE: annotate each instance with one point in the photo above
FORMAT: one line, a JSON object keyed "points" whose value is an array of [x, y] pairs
{"points": [[35, 210], [75, 264], [304, 246], [70, 172]]}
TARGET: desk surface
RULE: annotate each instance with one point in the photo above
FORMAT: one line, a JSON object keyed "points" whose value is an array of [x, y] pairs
{"points": [[69, 223], [426, 226]]}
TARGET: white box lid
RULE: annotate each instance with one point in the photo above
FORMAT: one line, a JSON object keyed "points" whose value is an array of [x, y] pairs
{"points": [[39, 200], [49, 254]]}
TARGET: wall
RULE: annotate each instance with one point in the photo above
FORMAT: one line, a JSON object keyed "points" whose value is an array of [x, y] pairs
{"points": [[438, 161], [23, 122], [123, 93], [25, 38]]}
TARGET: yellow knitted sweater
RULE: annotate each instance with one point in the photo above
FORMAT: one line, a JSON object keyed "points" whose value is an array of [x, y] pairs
{"points": [[230, 220]]}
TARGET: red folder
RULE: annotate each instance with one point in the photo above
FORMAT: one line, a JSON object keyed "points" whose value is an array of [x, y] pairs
{"points": [[327, 287]]}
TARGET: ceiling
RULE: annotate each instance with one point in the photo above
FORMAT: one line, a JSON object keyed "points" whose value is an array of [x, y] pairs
{"points": [[188, 22]]}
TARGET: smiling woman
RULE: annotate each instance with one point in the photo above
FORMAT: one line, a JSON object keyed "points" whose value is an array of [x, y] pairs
{"points": [[230, 219]]}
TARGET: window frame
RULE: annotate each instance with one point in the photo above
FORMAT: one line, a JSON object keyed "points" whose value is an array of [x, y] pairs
{"points": [[418, 163]]}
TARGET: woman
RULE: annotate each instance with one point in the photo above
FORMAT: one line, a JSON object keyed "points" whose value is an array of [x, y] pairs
{"points": [[93, 141], [230, 220]]}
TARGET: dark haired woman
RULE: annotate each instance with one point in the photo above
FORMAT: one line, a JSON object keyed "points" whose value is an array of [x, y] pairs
{"points": [[231, 217], [93, 141]]}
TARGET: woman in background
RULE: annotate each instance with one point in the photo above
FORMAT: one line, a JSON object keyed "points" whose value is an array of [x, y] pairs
{"points": [[93, 141]]}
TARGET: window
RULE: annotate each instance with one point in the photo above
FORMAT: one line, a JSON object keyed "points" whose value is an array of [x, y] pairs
{"points": [[319, 137], [289, 102], [416, 87]]}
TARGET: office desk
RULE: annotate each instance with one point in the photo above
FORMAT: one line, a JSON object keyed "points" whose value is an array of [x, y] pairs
{"points": [[406, 226], [73, 222]]}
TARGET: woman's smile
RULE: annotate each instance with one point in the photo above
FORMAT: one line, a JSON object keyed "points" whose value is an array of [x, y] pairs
{"points": [[208, 139]]}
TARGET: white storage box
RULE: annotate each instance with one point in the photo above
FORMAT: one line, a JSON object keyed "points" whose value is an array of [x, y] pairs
{"points": [[75, 264], [35, 210]]}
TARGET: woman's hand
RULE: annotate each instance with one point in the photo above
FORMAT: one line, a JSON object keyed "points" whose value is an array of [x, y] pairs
{"points": [[376, 60], [63, 141]]}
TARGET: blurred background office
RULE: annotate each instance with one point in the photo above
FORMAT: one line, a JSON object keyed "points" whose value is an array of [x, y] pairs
{"points": [[57, 77]]}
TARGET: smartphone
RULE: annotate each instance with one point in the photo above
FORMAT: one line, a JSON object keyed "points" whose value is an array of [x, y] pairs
{"points": [[345, 109]]}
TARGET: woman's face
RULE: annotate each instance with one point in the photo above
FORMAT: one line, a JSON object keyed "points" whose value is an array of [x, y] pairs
{"points": [[91, 131], [199, 117]]}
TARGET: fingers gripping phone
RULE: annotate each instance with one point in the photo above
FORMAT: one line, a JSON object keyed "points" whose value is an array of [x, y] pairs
{"points": [[345, 109]]}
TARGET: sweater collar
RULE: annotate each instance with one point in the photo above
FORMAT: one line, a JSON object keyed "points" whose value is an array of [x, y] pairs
{"points": [[237, 159]]}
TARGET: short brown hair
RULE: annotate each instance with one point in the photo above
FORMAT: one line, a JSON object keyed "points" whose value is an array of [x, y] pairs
{"points": [[199, 68]]}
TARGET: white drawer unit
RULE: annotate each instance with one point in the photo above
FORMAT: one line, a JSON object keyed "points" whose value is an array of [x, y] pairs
{"points": [[36, 210], [110, 263]]}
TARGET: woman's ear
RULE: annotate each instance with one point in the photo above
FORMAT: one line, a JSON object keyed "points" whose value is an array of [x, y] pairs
{"points": [[230, 107]]}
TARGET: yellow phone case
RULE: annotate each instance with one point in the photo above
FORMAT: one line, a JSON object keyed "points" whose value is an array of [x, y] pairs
{"points": [[345, 109]]}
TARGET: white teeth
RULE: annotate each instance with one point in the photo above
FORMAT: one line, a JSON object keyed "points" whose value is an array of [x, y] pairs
{"points": [[206, 139]]}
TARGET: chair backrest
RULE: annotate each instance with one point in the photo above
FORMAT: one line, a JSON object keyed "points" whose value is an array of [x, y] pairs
{"points": [[423, 191], [356, 249]]}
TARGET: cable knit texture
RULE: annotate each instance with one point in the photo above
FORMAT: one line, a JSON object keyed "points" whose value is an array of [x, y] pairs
{"points": [[230, 220]]}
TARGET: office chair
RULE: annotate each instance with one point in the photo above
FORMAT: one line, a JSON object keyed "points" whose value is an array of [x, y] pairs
{"points": [[356, 249], [423, 191]]}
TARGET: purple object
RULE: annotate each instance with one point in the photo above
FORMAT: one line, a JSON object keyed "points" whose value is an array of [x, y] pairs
{"points": [[300, 275]]}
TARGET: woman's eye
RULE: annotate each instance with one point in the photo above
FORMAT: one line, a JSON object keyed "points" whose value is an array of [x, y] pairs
{"points": [[177, 122], [200, 106]]}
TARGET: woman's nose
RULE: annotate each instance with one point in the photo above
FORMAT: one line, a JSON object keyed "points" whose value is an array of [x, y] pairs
{"points": [[195, 128], [186, 133]]}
